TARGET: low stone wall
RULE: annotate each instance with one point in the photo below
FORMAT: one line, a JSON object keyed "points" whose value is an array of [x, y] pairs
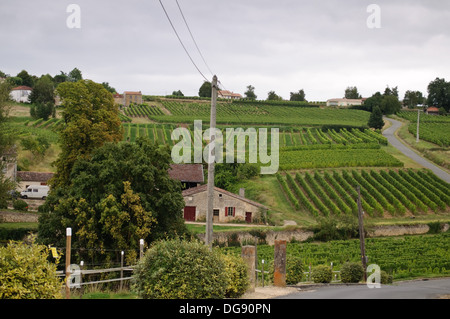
{"points": [[13, 217], [301, 235]]}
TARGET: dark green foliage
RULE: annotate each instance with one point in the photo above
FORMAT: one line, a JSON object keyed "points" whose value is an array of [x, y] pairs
{"points": [[376, 119], [322, 274], [352, 272]]}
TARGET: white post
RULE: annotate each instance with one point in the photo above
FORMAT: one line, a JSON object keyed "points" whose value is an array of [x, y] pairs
{"points": [[68, 251], [211, 165]]}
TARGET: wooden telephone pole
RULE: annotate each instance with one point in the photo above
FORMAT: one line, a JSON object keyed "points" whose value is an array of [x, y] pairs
{"points": [[211, 166], [361, 233]]}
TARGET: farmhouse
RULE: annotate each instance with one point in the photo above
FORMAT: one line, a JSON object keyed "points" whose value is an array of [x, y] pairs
{"points": [[190, 175], [21, 94], [345, 102], [433, 111], [229, 95], [228, 207], [132, 97]]}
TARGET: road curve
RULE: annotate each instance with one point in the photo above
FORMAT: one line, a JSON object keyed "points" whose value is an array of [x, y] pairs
{"points": [[393, 140]]}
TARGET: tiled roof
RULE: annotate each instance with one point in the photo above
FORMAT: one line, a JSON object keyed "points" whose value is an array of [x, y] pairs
{"points": [[192, 173], [204, 188], [22, 87], [34, 176]]}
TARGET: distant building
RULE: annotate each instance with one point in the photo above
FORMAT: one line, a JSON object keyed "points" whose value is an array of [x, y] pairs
{"points": [[21, 94], [229, 95], [132, 98], [228, 207], [118, 99], [190, 175], [345, 102], [26, 179], [433, 111]]}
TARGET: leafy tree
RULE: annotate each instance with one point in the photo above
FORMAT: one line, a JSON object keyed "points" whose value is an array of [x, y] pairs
{"points": [[91, 120], [413, 98], [376, 119], [250, 93], [108, 87], [439, 94], [75, 75], [27, 79], [299, 96], [352, 93], [178, 93], [390, 105], [60, 78], [391, 92], [122, 193], [42, 98], [272, 96], [36, 145], [205, 90]]}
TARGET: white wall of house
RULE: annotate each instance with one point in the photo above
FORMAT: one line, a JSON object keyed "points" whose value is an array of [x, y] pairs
{"points": [[20, 96]]}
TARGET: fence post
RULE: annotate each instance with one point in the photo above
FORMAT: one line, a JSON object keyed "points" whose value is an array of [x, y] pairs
{"points": [[81, 279], [121, 270], [141, 248], [68, 251], [249, 256], [279, 275]]}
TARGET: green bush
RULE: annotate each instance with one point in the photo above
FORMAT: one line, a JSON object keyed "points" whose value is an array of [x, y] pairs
{"points": [[386, 278], [352, 272], [177, 269], [25, 273], [322, 274], [294, 270], [20, 205], [236, 271]]}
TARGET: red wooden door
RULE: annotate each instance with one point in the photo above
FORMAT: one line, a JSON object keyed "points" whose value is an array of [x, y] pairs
{"points": [[248, 217], [189, 213]]}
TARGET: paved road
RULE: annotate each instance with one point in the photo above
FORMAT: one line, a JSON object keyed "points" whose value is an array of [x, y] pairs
{"points": [[429, 289], [392, 139]]}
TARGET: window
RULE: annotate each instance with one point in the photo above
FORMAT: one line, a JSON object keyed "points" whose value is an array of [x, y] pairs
{"points": [[35, 190], [230, 211]]}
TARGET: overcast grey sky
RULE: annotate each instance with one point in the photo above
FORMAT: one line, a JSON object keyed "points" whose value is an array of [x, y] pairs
{"points": [[285, 45]]}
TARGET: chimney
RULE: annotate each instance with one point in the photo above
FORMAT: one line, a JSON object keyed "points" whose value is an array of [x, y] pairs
{"points": [[242, 192]]}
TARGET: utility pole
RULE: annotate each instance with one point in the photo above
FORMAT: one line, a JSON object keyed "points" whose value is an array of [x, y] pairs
{"points": [[361, 233], [418, 122], [211, 165]]}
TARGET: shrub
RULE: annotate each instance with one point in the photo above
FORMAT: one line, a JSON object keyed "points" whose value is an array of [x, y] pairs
{"points": [[177, 269], [386, 278], [236, 271], [20, 205], [25, 273], [352, 272], [322, 274], [294, 270]]}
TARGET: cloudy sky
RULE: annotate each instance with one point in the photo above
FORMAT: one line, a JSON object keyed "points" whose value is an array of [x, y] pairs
{"points": [[319, 46]]}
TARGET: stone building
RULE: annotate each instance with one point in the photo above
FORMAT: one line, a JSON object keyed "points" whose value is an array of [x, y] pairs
{"points": [[228, 207]]}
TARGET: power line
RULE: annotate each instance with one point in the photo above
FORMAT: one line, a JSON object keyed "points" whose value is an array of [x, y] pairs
{"points": [[193, 39], [182, 44]]}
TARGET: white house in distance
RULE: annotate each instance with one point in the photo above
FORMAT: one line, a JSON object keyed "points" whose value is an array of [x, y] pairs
{"points": [[345, 102], [229, 95], [21, 94]]}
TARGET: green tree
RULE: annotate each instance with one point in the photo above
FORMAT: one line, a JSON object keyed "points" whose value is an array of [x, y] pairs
{"points": [[108, 87], [205, 90], [250, 93], [413, 98], [42, 98], [27, 79], [390, 105], [439, 94], [118, 195], [75, 75], [299, 96], [178, 93], [352, 93], [91, 119], [272, 96], [376, 119]]}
